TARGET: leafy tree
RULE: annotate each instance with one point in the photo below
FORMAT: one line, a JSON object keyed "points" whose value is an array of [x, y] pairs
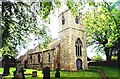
{"points": [[96, 58], [19, 21], [116, 46], [22, 19], [102, 26]]}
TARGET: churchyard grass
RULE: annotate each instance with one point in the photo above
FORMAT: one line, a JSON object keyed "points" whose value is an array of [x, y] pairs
{"points": [[110, 71], [91, 73], [11, 71]]}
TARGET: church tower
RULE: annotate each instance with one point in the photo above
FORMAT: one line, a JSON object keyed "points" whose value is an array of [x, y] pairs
{"points": [[73, 54]]}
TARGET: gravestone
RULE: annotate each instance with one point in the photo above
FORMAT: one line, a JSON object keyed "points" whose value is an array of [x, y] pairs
{"points": [[46, 73], [22, 71], [7, 62], [19, 73], [6, 65], [57, 74], [34, 74]]}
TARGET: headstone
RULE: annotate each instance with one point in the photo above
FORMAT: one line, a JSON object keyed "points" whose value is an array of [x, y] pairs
{"points": [[6, 65], [19, 73], [22, 71], [7, 62], [57, 74], [46, 73], [34, 74]]}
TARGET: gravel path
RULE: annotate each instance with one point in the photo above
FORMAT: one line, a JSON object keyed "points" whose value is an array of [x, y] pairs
{"points": [[102, 74]]}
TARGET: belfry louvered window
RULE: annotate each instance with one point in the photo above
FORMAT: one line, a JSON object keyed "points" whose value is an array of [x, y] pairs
{"points": [[78, 47], [76, 20], [63, 19]]}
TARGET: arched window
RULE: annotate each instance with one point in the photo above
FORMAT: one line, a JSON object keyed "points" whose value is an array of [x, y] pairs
{"points": [[78, 44], [77, 20], [63, 20], [38, 57], [48, 57]]}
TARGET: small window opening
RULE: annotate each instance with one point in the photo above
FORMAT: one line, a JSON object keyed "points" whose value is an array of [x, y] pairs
{"points": [[49, 58], [76, 20], [38, 57], [63, 20]]}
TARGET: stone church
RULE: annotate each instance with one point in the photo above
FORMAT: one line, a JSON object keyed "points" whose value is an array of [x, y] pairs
{"points": [[68, 52]]}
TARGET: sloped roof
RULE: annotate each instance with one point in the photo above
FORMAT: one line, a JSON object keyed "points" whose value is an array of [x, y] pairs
{"points": [[29, 51], [63, 12], [88, 59], [20, 58], [51, 46], [35, 50]]}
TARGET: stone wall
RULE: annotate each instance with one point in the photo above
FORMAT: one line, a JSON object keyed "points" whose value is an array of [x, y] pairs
{"points": [[65, 49], [44, 59]]}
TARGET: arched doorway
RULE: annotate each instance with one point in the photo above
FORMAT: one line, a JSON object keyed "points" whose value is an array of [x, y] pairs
{"points": [[79, 64]]}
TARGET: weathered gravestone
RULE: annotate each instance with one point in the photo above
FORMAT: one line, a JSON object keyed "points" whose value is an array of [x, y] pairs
{"points": [[7, 62], [22, 71], [57, 74], [46, 73], [6, 65], [19, 73]]}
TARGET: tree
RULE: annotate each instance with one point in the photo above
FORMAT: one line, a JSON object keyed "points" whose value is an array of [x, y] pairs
{"points": [[116, 46], [19, 21], [96, 58], [22, 19], [101, 26]]}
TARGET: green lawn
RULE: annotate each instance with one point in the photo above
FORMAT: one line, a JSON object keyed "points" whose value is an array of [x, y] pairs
{"points": [[91, 73], [110, 71]]}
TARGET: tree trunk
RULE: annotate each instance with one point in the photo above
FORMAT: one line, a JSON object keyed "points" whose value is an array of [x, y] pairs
{"points": [[108, 56]]}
